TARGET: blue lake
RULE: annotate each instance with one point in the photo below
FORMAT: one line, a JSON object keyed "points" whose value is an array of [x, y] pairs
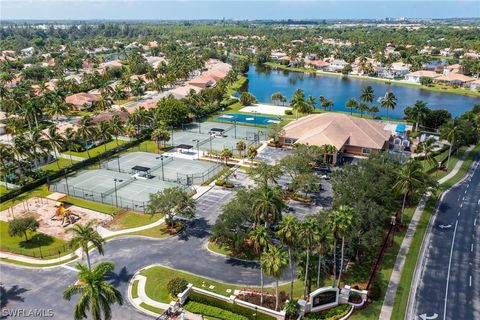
{"points": [[262, 82]]}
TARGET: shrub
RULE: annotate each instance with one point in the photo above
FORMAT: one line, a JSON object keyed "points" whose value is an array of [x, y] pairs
{"points": [[291, 309], [206, 310], [355, 297], [219, 182], [200, 298], [176, 286], [330, 314], [288, 112], [375, 291]]}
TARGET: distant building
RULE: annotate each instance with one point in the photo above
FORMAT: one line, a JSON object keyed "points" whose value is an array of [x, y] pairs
{"points": [[82, 100], [415, 77]]}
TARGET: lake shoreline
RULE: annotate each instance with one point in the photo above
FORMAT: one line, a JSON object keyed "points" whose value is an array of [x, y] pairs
{"points": [[367, 78]]}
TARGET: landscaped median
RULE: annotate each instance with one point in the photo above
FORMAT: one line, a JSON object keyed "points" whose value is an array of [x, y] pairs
{"points": [[403, 290]]}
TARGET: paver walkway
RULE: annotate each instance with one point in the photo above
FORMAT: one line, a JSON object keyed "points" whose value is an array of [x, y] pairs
{"points": [[389, 300]]}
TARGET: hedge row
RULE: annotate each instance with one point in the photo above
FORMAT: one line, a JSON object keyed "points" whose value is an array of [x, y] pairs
{"points": [[75, 167], [331, 314], [206, 310], [234, 308]]}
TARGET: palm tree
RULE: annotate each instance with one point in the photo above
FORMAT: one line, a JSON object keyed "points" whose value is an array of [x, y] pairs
{"points": [[411, 178], [252, 153], [264, 174], [71, 141], [56, 108], [226, 154], [419, 112], [451, 132], [373, 110], [367, 95], [288, 236], [362, 107], [260, 239], [86, 131], [340, 222], [83, 236], [160, 134], [308, 235], [268, 204], [389, 102], [241, 146], [6, 155], [96, 294], [351, 104], [56, 141], [104, 131], [273, 261], [278, 97], [116, 127], [298, 101]]}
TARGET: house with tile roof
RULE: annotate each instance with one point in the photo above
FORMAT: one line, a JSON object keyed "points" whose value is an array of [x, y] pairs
{"points": [[348, 134]]}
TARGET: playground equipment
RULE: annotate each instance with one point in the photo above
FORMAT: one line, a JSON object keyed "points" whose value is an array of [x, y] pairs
{"points": [[65, 215]]}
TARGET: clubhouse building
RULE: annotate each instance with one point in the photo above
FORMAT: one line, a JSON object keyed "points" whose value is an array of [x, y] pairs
{"points": [[349, 135]]}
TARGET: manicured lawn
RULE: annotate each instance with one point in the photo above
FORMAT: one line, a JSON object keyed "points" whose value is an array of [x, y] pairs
{"points": [[151, 308], [38, 245], [41, 191], [26, 264], [403, 290], [453, 161], [135, 289], [158, 232], [54, 166], [92, 205], [241, 79], [147, 146], [3, 189], [159, 276], [132, 219], [97, 150], [227, 252]]}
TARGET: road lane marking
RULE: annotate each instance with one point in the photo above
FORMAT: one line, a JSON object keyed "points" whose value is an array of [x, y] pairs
{"points": [[448, 272], [69, 268], [459, 213], [471, 248], [463, 199], [475, 222], [470, 281], [468, 186], [461, 205]]}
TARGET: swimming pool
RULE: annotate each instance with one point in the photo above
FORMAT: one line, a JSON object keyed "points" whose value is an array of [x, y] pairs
{"points": [[248, 118]]}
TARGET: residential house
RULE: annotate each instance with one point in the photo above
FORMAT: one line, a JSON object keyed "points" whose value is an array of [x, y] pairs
{"points": [[415, 77], [317, 64], [455, 79], [28, 51], [82, 100], [397, 70], [336, 65], [454, 68]]}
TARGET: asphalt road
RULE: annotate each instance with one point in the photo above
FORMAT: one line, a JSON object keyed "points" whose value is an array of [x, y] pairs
{"points": [[449, 281]]}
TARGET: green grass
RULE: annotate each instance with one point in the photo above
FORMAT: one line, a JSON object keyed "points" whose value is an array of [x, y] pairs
{"points": [[92, 205], [3, 189], [384, 272], [147, 146], [403, 290], [135, 289], [211, 311], [130, 219], [36, 265], [54, 166], [97, 150], [453, 161], [38, 245], [241, 80], [41, 191], [159, 276], [151, 308], [227, 252], [158, 232]]}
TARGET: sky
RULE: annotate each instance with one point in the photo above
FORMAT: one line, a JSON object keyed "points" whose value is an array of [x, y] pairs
{"points": [[234, 9]]}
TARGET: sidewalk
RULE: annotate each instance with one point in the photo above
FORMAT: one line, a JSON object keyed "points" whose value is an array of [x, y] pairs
{"points": [[389, 300]]}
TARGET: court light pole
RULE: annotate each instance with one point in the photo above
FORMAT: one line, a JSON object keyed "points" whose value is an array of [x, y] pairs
{"points": [[66, 181], [115, 180], [118, 163], [235, 128], [198, 147], [211, 137], [163, 174]]}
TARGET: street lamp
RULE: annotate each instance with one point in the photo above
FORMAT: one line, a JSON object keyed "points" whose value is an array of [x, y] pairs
{"points": [[115, 180], [118, 163], [198, 147], [235, 128], [211, 137], [163, 174], [393, 222]]}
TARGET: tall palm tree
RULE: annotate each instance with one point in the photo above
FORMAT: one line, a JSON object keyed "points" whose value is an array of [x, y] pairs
{"points": [[308, 235], [411, 178], [351, 104], [86, 131], [389, 102], [419, 112], [160, 134], [56, 141], [288, 235], [298, 101], [6, 156], [97, 295], [56, 108], [450, 131], [367, 95], [268, 204], [274, 261], [260, 239], [71, 141], [104, 130], [116, 127], [83, 236], [341, 222], [362, 107]]}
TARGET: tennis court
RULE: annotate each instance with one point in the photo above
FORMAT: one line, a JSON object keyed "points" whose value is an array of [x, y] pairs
{"points": [[140, 190]]}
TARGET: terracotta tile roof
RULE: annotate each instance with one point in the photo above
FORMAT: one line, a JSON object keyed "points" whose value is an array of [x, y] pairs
{"points": [[319, 63], [424, 73], [82, 98], [338, 130], [455, 77]]}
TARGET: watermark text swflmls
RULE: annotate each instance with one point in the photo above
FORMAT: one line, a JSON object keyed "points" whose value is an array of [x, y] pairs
{"points": [[28, 313]]}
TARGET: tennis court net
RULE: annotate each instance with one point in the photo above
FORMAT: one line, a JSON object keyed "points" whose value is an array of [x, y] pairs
{"points": [[118, 186]]}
